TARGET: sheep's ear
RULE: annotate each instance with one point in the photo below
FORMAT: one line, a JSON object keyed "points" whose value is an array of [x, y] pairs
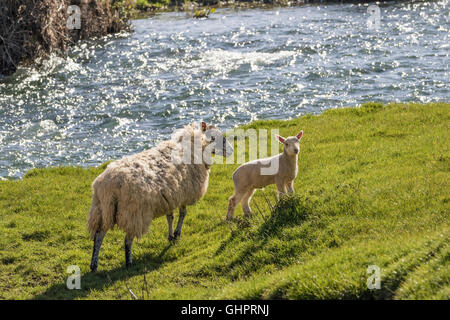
{"points": [[300, 135], [204, 126], [280, 138]]}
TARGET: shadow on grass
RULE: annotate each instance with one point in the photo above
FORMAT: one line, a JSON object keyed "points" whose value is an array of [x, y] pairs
{"points": [[101, 280], [288, 212], [237, 226]]}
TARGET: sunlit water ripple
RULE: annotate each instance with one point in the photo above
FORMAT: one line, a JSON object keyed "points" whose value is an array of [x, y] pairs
{"points": [[122, 94]]}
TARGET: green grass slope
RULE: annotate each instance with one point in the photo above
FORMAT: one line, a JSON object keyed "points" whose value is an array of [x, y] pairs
{"points": [[372, 189]]}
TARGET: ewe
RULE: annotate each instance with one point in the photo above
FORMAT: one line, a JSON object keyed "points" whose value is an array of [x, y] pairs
{"points": [[133, 191], [256, 174]]}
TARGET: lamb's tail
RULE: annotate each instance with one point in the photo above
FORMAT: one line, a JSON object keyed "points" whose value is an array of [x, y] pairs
{"points": [[102, 215]]}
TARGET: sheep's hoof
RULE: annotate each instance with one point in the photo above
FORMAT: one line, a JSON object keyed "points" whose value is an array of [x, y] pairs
{"points": [[177, 234], [171, 238], [94, 265], [128, 265]]}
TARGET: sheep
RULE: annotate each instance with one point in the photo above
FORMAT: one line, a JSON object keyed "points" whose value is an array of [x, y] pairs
{"points": [[133, 191], [255, 174]]}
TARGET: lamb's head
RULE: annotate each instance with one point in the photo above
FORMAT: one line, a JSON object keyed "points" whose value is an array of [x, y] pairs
{"points": [[291, 145], [216, 141]]}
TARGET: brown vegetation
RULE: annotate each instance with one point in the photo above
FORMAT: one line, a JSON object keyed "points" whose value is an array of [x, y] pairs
{"points": [[35, 28]]}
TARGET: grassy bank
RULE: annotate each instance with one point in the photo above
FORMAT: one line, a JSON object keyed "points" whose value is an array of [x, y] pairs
{"points": [[372, 189]]}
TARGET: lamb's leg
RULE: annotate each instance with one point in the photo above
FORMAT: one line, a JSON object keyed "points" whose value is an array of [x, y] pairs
{"points": [[177, 232], [290, 187], [98, 239], [281, 187], [232, 203], [245, 202], [170, 219], [128, 243]]}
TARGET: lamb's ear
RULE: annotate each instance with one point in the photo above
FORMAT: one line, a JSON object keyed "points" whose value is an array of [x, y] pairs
{"points": [[300, 135], [204, 126], [280, 138]]}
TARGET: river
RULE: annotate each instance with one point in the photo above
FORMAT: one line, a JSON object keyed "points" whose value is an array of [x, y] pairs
{"points": [[122, 94]]}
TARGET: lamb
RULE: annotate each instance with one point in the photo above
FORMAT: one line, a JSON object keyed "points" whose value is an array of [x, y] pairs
{"points": [[133, 191], [255, 174]]}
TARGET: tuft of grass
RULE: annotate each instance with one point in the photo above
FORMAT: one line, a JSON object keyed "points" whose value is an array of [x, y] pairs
{"points": [[372, 189], [289, 211]]}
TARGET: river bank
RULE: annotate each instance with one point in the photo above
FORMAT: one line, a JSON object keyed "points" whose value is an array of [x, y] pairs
{"points": [[372, 190], [32, 30]]}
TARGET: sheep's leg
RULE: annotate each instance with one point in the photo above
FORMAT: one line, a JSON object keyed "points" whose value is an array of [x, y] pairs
{"points": [[232, 203], [170, 219], [177, 232], [98, 239], [128, 243], [290, 187], [245, 202]]}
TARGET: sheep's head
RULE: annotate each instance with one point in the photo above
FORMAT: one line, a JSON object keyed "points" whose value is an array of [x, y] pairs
{"points": [[216, 140], [291, 145]]}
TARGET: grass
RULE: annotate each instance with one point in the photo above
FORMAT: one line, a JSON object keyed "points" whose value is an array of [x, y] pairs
{"points": [[372, 189]]}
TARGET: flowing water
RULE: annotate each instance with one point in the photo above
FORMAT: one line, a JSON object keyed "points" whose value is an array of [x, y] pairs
{"points": [[120, 95]]}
